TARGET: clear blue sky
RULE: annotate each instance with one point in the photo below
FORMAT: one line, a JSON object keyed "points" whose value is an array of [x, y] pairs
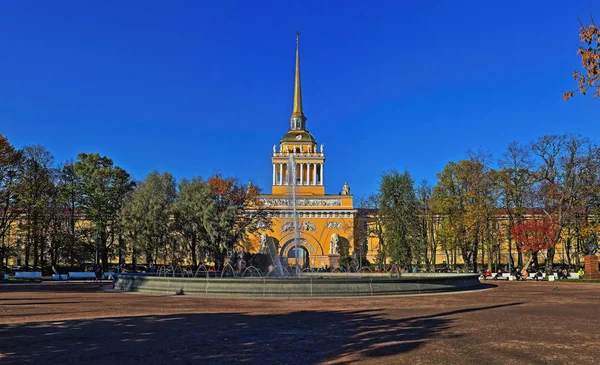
{"points": [[198, 87]]}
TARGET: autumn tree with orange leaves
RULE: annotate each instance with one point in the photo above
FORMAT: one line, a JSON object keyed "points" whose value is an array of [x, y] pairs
{"points": [[232, 215], [535, 236], [589, 77]]}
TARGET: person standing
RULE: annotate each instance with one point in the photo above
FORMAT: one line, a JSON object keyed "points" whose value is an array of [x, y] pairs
{"points": [[98, 271]]}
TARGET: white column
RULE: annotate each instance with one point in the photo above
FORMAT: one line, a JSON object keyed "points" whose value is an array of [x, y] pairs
{"points": [[280, 174], [301, 165], [314, 165], [322, 173], [274, 173], [307, 176]]}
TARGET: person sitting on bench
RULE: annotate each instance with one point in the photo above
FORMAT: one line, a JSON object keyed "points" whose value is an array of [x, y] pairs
{"points": [[498, 275]]}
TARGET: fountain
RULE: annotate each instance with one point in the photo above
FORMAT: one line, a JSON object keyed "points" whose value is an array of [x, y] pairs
{"points": [[307, 282], [292, 180]]}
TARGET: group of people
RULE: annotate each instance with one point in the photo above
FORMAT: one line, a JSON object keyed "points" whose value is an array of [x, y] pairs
{"points": [[524, 274]]}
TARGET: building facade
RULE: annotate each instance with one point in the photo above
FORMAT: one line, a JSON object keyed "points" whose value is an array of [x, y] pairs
{"points": [[325, 222]]}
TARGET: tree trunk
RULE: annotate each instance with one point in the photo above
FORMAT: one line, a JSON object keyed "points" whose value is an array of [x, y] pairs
{"points": [[103, 248], [27, 249], [121, 248], [529, 261], [133, 254], [511, 261], [193, 249], [454, 259], [568, 249], [483, 256], [550, 260], [466, 259], [475, 247]]}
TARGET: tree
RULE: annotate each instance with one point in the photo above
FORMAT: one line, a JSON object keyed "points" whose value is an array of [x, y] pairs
{"points": [[515, 181], [535, 236], [589, 76], [194, 196], [427, 224], [370, 224], [235, 212], [561, 160], [156, 193], [36, 188], [466, 195], [10, 160], [398, 206], [67, 215], [101, 192]]}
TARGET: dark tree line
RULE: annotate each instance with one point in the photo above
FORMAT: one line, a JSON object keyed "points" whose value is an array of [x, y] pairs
{"points": [[90, 210], [477, 202]]}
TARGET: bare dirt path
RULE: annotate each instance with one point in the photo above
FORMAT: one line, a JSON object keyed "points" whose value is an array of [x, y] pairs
{"points": [[514, 323]]}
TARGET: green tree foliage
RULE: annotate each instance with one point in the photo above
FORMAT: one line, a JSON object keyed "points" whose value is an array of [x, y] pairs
{"points": [[370, 225], [101, 193], [515, 180], [466, 196], [147, 215], [427, 218], [36, 190], [398, 206], [189, 213], [234, 213], [10, 160]]}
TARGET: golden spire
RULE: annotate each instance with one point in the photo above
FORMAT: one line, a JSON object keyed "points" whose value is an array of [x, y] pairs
{"points": [[297, 87]]}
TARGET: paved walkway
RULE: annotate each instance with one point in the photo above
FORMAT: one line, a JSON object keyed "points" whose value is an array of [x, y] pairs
{"points": [[515, 323]]}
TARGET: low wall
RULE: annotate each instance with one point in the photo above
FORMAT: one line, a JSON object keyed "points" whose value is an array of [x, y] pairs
{"points": [[315, 285]]}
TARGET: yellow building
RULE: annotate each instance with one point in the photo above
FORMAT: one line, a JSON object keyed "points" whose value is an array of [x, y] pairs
{"points": [[325, 222], [329, 225]]}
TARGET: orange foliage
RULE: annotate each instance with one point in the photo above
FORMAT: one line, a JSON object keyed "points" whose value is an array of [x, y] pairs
{"points": [[590, 61], [535, 235]]}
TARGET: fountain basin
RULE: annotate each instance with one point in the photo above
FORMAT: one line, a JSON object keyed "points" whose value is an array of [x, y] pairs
{"points": [[309, 285]]}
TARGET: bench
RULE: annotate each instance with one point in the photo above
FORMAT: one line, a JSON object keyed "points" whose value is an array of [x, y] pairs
{"points": [[108, 275], [572, 275], [59, 277], [532, 276], [28, 275], [82, 275]]}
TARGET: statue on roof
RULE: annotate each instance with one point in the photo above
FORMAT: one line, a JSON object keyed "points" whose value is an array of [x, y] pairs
{"points": [[346, 189]]}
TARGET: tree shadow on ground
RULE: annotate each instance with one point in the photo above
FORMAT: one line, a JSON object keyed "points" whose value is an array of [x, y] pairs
{"points": [[305, 337]]}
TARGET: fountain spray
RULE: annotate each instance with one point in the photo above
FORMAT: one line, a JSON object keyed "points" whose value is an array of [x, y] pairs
{"points": [[292, 182]]}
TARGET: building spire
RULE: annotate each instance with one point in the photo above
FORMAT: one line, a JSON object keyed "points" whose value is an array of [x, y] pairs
{"points": [[298, 118]]}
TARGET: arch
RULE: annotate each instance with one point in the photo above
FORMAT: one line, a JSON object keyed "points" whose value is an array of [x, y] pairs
{"points": [[312, 245]]}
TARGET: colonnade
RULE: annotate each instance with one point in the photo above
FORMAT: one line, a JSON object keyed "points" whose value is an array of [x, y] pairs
{"points": [[313, 170]]}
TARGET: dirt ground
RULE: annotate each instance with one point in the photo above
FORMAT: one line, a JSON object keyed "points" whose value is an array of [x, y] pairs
{"points": [[515, 322]]}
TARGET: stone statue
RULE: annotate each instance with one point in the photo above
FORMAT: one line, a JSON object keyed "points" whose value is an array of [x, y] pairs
{"points": [[346, 189], [262, 243], [592, 245], [334, 248], [274, 149], [322, 147]]}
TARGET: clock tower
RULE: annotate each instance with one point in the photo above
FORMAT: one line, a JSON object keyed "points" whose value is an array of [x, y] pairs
{"points": [[321, 227], [299, 143]]}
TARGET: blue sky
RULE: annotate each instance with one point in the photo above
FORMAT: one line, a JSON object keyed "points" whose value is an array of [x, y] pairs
{"points": [[197, 87]]}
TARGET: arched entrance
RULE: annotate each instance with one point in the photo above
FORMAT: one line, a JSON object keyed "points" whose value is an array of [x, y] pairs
{"points": [[290, 252]]}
